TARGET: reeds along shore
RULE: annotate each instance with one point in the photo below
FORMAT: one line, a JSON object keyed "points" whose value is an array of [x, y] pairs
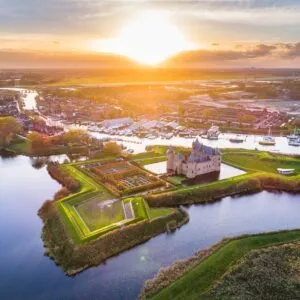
{"points": [[243, 184]]}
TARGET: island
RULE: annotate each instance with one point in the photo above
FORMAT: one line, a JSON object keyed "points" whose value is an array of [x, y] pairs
{"points": [[103, 213], [114, 203]]}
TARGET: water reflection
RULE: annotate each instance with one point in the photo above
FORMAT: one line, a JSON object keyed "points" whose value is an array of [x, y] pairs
{"points": [[225, 172]]}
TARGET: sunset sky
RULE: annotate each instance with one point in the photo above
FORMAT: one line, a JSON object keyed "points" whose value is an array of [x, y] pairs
{"points": [[256, 32]]}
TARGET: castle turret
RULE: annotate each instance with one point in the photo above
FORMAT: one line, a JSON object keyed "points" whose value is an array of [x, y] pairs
{"points": [[170, 159]]}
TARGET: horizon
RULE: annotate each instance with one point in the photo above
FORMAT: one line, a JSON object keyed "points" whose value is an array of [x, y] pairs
{"points": [[151, 33]]}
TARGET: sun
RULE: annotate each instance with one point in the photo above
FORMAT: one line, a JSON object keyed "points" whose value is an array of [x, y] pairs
{"points": [[149, 39]]}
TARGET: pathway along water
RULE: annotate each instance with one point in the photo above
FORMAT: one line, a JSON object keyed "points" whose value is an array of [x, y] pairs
{"points": [[27, 274]]}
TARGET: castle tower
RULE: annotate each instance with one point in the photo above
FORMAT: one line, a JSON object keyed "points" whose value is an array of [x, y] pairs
{"points": [[170, 159]]}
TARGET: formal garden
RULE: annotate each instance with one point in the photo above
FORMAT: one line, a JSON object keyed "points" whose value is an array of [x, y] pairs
{"points": [[122, 178]]}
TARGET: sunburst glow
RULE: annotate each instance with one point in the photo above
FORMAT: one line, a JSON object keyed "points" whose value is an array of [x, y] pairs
{"points": [[148, 39]]}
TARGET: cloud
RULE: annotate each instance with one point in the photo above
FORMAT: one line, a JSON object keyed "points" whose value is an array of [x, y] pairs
{"points": [[290, 50], [102, 16], [198, 56], [40, 59]]}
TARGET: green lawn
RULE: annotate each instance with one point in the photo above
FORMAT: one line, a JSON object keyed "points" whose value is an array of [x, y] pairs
{"points": [[19, 146], [176, 180], [97, 213], [150, 157], [260, 161], [143, 211], [144, 155], [196, 283]]}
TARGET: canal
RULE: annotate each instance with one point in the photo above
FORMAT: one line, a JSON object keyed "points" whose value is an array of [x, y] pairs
{"points": [[27, 274]]}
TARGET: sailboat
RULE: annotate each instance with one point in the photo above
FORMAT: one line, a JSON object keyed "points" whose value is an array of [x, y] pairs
{"points": [[294, 142], [268, 140], [293, 136]]}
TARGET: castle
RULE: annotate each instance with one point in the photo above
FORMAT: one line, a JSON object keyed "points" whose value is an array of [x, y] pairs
{"points": [[202, 160]]}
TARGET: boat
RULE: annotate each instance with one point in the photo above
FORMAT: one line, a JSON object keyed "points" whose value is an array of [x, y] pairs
{"points": [[268, 140], [237, 139], [294, 143], [293, 136], [169, 135], [286, 171], [213, 133]]}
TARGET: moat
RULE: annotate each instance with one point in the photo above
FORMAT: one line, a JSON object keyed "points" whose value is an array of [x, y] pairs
{"points": [[24, 189]]}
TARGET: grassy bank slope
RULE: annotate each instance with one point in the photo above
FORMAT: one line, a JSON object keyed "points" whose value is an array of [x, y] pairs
{"points": [[195, 283]]}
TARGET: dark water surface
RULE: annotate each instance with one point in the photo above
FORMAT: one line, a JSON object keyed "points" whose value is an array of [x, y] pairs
{"points": [[25, 273]]}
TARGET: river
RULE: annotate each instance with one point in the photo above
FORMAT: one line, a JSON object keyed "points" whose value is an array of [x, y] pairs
{"points": [[27, 274]]}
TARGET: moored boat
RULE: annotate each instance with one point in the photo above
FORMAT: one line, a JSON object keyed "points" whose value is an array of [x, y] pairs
{"points": [[237, 139], [293, 136], [294, 143], [268, 140], [213, 133]]}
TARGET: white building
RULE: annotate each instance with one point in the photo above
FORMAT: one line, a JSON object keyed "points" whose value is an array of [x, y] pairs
{"points": [[117, 123], [202, 160]]}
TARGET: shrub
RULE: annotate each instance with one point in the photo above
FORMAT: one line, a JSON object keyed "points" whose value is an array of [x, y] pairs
{"points": [[63, 177], [63, 192]]}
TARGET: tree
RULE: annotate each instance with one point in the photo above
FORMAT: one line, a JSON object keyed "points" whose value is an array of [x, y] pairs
{"points": [[38, 141], [112, 148], [8, 128], [247, 118], [75, 136]]}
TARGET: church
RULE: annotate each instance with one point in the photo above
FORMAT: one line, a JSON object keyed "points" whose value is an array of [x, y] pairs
{"points": [[202, 160]]}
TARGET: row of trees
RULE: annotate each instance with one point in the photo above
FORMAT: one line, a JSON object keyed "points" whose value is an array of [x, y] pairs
{"points": [[72, 137]]}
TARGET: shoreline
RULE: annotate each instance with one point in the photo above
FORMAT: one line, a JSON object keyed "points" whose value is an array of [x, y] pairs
{"points": [[166, 278]]}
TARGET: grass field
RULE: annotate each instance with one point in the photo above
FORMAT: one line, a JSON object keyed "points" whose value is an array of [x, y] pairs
{"points": [[176, 180], [97, 213], [149, 157], [260, 161], [196, 283], [19, 146]]}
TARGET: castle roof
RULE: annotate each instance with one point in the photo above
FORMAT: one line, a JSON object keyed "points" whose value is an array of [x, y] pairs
{"points": [[201, 152]]}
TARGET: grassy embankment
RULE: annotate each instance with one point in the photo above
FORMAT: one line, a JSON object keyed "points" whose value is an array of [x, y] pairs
{"points": [[194, 277]]}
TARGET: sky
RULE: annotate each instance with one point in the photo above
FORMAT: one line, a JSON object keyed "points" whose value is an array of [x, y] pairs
{"points": [[220, 32]]}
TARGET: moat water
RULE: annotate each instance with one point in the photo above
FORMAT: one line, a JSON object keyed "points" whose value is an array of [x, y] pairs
{"points": [[27, 274]]}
